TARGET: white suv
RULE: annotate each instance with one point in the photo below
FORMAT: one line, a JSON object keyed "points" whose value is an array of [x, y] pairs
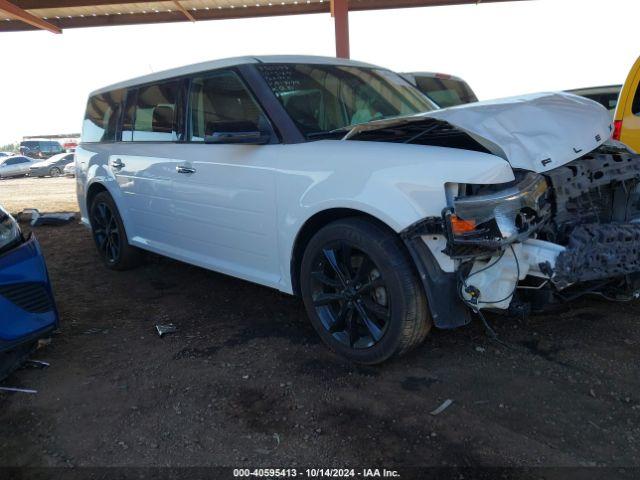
{"points": [[331, 179]]}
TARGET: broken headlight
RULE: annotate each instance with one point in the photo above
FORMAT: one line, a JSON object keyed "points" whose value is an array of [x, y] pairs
{"points": [[493, 215], [9, 230]]}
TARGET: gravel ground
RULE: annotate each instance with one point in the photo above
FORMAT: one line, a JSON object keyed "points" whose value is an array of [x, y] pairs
{"points": [[245, 381]]}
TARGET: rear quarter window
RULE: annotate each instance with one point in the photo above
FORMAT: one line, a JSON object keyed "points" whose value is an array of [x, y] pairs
{"points": [[102, 116]]}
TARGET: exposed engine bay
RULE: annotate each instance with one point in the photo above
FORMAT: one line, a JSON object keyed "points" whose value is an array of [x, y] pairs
{"points": [[543, 238], [576, 226]]}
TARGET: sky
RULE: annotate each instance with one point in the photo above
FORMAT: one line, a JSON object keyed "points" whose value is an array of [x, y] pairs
{"points": [[500, 49]]}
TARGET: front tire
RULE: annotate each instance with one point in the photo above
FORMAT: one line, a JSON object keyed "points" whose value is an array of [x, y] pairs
{"points": [[110, 236], [362, 292]]}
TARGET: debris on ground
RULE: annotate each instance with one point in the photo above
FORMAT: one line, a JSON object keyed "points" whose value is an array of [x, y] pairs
{"points": [[36, 363], [38, 219], [446, 404], [19, 390], [166, 329]]}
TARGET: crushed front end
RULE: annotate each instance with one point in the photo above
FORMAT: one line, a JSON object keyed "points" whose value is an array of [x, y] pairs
{"points": [[27, 307], [542, 239]]}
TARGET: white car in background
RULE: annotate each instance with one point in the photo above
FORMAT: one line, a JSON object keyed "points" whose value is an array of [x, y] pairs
{"points": [[69, 170], [15, 166], [330, 179]]}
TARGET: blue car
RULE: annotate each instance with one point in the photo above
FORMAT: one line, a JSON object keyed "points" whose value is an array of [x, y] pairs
{"points": [[27, 308]]}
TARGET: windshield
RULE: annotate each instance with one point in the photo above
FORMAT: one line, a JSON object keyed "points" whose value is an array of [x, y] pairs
{"points": [[324, 98]]}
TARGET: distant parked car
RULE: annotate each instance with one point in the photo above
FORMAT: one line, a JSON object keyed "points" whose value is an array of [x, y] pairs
{"points": [[14, 166], [52, 167], [40, 148], [627, 117], [70, 169], [6, 154], [27, 308], [442, 89], [605, 96]]}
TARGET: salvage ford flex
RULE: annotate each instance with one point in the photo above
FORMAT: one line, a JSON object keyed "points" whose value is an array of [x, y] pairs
{"points": [[337, 181]]}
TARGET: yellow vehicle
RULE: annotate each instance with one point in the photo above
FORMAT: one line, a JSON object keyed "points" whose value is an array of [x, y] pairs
{"points": [[627, 117]]}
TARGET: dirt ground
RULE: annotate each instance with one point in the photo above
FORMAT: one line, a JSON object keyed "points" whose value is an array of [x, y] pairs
{"points": [[46, 194], [245, 380]]}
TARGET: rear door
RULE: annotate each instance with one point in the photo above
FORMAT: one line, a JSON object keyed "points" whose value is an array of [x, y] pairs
{"points": [[144, 163], [223, 197]]}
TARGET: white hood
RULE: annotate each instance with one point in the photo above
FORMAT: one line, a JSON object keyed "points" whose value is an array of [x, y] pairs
{"points": [[530, 130], [535, 132]]}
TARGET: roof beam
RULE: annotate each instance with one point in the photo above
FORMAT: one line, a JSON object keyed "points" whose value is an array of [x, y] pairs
{"points": [[353, 4], [33, 4], [212, 14], [27, 17], [184, 11]]}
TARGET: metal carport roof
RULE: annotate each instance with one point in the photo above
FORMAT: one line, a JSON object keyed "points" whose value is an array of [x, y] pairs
{"points": [[56, 15]]}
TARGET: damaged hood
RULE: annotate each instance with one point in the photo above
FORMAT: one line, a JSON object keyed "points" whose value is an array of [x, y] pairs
{"points": [[535, 132]]}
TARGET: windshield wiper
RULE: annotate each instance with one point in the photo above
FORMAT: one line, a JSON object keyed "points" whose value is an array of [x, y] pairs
{"points": [[337, 133]]}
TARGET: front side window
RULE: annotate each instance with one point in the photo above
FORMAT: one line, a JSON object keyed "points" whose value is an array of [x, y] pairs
{"points": [[322, 98], [153, 114], [220, 103], [635, 106], [101, 118]]}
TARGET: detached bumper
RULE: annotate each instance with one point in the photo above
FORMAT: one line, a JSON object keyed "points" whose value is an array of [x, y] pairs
{"points": [[27, 307]]}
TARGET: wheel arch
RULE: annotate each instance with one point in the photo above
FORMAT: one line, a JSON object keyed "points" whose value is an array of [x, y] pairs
{"points": [[312, 225], [93, 190]]}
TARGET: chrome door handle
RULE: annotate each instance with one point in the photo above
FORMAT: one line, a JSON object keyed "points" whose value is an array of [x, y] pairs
{"points": [[185, 169], [117, 164]]}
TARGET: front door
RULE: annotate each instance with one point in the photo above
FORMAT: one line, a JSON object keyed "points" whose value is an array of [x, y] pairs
{"points": [[224, 199]]}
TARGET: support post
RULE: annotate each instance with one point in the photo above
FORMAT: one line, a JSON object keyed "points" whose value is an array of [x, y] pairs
{"points": [[340, 12]]}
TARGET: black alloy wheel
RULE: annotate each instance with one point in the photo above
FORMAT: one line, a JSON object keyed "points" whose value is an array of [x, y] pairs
{"points": [[362, 292], [106, 232], [109, 234], [350, 296]]}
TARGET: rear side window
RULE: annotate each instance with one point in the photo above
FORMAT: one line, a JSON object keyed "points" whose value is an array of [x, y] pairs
{"points": [[154, 113], [101, 118], [446, 92], [221, 103]]}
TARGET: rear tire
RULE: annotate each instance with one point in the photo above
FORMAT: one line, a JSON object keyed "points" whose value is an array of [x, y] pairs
{"points": [[54, 172], [110, 236], [362, 293]]}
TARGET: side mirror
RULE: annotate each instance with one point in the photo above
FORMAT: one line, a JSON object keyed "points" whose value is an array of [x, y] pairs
{"points": [[246, 138]]}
